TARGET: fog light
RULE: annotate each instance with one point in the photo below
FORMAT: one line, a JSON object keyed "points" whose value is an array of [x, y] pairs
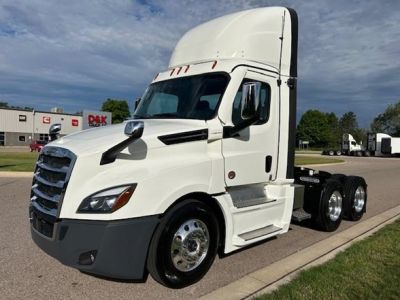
{"points": [[87, 258]]}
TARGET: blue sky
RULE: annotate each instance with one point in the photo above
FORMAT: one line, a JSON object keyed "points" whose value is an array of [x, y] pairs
{"points": [[75, 54]]}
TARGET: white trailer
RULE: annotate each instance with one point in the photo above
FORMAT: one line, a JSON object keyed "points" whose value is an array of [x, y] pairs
{"points": [[206, 166], [381, 144]]}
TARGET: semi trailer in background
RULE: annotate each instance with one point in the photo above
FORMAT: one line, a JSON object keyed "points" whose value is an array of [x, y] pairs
{"points": [[381, 144], [206, 165]]}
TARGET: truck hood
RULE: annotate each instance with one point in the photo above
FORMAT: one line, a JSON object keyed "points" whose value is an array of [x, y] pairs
{"points": [[100, 139]]}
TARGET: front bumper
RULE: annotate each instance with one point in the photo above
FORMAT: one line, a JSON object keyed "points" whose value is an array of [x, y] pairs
{"points": [[115, 249]]}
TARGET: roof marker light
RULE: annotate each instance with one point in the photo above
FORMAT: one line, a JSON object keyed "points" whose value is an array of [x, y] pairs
{"points": [[214, 64], [179, 70], [187, 68], [172, 72]]}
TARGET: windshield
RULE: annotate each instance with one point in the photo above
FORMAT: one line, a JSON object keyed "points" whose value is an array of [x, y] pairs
{"points": [[193, 97]]}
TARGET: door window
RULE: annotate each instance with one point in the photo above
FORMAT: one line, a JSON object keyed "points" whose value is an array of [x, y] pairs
{"points": [[263, 108]]}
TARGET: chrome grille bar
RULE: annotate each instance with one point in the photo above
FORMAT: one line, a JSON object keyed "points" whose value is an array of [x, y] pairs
{"points": [[52, 173]]}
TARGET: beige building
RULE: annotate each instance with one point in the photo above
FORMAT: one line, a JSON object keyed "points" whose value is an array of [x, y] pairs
{"points": [[20, 127]]}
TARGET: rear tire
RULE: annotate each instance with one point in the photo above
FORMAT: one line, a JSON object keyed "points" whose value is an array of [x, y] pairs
{"points": [[338, 152], [330, 211], [339, 177], [184, 245], [331, 153], [355, 197]]}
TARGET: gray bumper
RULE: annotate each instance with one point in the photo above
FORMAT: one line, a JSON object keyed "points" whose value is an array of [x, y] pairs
{"points": [[119, 248]]}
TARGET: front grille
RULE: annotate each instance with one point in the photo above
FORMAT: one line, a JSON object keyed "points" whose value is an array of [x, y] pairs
{"points": [[53, 170], [42, 225]]}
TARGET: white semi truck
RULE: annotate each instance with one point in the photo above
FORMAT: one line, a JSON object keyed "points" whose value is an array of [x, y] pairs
{"points": [[206, 166], [349, 146]]}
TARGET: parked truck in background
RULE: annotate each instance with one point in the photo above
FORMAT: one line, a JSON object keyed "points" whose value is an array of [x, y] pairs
{"points": [[378, 144], [349, 146], [206, 166]]}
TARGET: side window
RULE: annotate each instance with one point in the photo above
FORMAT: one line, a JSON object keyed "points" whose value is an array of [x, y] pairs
{"points": [[163, 103], [264, 107]]}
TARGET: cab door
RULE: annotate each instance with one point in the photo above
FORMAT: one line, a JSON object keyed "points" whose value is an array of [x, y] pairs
{"points": [[250, 156]]}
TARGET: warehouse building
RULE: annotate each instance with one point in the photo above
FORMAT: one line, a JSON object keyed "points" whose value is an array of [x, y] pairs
{"points": [[19, 127]]}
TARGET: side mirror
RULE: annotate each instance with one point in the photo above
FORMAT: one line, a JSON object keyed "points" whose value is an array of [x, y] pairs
{"points": [[134, 129], [54, 130], [250, 100]]}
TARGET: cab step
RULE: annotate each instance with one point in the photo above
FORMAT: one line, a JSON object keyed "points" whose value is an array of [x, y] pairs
{"points": [[247, 236], [300, 214]]}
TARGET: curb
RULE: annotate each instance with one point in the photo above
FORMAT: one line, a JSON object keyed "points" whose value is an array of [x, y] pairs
{"points": [[272, 276], [16, 174]]}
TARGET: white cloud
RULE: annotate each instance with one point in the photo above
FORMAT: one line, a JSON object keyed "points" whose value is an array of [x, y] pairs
{"points": [[77, 53]]}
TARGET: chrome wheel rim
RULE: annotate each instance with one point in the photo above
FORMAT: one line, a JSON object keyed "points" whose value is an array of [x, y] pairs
{"points": [[335, 206], [359, 199], [190, 245]]}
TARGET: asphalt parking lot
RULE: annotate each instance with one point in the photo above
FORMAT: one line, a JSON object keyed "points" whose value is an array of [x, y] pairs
{"points": [[26, 272]]}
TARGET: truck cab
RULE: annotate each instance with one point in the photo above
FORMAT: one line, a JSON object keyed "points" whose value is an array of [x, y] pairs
{"points": [[350, 145], [205, 166]]}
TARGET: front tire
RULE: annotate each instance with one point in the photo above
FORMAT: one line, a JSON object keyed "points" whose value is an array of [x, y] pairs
{"points": [[184, 245], [330, 210]]}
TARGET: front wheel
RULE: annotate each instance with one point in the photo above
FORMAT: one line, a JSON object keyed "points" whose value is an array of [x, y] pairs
{"points": [[184, 245]]}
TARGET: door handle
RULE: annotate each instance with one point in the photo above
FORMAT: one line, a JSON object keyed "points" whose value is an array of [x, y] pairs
{"points": [[268, 163]]}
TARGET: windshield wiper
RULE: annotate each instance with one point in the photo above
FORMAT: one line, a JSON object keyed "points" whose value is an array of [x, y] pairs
{"points": [[164, 115], [141, 116]]}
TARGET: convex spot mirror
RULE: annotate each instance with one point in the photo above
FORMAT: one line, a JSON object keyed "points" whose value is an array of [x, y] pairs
{"points": [[134, 129], [250, 99], [55, 128]]}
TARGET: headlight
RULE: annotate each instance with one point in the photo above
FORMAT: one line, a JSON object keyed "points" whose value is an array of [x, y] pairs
{"points": [[107, 201]]}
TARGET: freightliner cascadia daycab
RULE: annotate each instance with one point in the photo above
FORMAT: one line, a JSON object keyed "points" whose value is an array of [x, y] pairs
{"points": [[206, 165]]}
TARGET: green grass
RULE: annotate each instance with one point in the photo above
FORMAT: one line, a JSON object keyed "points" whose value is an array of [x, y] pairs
{"points": [[370, 269], [308, 151], [18, 161], [312, 160]]}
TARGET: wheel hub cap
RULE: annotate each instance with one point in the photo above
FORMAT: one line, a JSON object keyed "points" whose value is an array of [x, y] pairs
{"points": [[190, 245], [335, 206], [359, 199]]}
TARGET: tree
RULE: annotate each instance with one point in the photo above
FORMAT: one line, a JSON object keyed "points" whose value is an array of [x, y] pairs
{"points": [[389, 121], [6, 105], [348, 124], [118, 108], [318, 128]]}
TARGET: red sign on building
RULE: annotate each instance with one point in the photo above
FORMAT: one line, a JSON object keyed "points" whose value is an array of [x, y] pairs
{"points": [[97, 120], [75, 122], [46, 120]]}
